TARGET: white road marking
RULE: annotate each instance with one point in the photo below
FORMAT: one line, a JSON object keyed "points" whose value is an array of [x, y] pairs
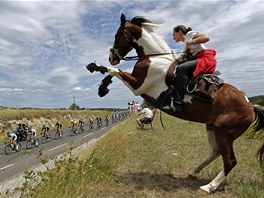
{"points": [[88, 135], [6, 166], [103, 128], [58, 147]]}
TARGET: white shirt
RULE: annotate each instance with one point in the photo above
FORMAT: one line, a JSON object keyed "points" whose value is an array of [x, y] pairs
{"points": [[194, 48], [34, 132], [12, 135], [147, 113]]}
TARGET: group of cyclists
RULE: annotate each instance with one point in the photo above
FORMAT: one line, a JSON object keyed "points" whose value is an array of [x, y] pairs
{"points": [[23, 132]]}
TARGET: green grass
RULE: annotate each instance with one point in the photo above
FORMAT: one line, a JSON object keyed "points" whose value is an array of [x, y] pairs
{"points": [[129, 162]]}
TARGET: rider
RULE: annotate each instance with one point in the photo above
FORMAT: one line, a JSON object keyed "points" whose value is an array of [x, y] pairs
{"points": [[99, 121], [46, 128], [58, 126], [91, 122], [107, 120], [81, 125], [33, 134], [202, 61], [73, 124], [81, 122], [13, 138]]}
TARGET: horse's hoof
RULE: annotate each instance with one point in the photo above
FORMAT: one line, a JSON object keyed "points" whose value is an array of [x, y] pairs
{"points": [[202, 191], [90, 67]]}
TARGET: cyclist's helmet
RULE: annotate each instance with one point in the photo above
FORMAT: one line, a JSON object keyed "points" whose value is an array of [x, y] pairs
{"points": [[8, 134]]}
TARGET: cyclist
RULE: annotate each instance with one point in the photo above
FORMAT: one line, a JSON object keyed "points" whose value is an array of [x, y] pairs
{"points": [[46, 128], [58, 126], [13, 138], [81, 122], [73, 124], [107, 120], [33, 134], [98, 122], [91, 122]]}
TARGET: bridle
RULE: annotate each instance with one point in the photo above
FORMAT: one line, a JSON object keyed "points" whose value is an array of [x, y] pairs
{"points": [[116, 51]]}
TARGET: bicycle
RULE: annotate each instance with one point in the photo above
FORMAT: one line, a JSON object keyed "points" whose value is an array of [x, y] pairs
{"points": [[32, 143], [91, 126], [81, 128], [73, 131], [10, 147], [58, 134], [45, 138]]}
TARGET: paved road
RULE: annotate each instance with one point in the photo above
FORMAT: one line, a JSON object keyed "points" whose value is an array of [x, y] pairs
{"points": [[11, 165]]}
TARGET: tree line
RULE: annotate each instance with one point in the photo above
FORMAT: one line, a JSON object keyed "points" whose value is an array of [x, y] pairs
{"points": [[257, 100]]}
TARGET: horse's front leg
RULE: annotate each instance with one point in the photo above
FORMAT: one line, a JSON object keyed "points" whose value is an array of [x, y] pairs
{"points": [[126, 77], [91, 67]]}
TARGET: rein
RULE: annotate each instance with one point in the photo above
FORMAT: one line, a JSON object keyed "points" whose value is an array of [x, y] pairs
{"points": [[114, 51], [137, 57]]}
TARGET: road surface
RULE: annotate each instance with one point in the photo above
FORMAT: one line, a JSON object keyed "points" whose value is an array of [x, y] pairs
{"points": [[15, 163]]}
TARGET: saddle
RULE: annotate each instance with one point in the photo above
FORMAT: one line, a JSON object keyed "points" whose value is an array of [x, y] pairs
{"points": [[204, 87]]}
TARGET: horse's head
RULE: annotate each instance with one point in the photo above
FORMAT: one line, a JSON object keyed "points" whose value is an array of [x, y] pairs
{"points": [[127, 32]]}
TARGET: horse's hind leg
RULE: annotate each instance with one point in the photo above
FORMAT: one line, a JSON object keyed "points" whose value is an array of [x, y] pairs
{"points": [[226, 150], [214, 153]]}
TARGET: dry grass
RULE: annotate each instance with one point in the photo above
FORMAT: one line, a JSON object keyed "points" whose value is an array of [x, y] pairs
{"points": [[153, 163], [9, 118]]}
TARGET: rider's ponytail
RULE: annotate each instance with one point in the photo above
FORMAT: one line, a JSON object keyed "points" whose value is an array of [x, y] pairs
{"points": [[182, 28]]}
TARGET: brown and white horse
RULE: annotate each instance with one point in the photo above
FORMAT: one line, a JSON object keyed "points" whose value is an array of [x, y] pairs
{"points": [[227, 117]]}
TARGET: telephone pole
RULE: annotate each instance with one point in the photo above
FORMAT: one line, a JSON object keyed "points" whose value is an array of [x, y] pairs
{"points": [[74, 99]]}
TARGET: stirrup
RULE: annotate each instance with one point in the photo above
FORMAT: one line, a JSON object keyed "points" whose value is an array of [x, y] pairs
{"points": [[175, 106]]}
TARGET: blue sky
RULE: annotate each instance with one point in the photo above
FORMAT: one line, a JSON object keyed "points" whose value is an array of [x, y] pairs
{"points": [[45, 45]]}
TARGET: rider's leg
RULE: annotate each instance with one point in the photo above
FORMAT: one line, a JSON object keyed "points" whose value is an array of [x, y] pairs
{"points": [[47, 135], [184, 73]]}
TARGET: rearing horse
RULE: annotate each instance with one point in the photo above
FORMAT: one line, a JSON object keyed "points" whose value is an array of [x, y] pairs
{"points": [[227, 117]]}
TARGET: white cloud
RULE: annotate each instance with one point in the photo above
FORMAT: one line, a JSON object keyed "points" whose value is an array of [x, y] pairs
{"points": [[81, 89], [44, 46]]}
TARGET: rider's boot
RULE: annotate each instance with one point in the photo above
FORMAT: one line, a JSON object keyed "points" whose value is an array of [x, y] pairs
{"points": [[180, 83]]}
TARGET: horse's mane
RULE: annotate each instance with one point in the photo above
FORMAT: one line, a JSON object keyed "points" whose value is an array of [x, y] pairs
{"points": [[157, 41], [143, 22]]}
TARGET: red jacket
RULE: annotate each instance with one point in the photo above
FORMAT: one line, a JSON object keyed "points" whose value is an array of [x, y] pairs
{"points": [[206, 62]]}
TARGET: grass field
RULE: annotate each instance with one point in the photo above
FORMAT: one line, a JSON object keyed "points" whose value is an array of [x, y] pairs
{"points": [[129, 162]]}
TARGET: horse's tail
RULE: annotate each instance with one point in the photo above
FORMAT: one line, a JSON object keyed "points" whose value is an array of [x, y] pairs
{"points": [[259, 126]]}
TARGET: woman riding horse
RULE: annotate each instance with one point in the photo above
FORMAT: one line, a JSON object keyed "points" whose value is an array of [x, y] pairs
{"points": [[227, 116], [204, 62]]}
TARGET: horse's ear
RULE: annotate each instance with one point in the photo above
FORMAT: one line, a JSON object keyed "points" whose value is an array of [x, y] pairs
{"points": [[123, 19]]}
